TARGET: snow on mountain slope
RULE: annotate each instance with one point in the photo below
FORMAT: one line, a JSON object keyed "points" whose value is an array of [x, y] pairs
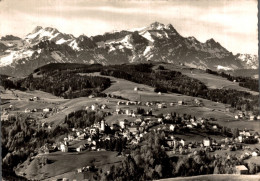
{"points": [[147, 35], [7, 60], [74, 45], [61, 41], [15, 55], [47, 33], [219, 67], [250, 61], [155, 42]]}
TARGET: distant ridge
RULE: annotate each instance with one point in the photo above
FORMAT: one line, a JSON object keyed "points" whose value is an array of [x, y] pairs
{"points": [[156, 42]]}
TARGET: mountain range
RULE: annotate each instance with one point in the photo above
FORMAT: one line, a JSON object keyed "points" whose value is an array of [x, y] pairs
{"points": [[156, 42]]}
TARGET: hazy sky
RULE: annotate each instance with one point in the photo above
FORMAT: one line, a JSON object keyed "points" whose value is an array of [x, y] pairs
{"points": [[233, 23]]}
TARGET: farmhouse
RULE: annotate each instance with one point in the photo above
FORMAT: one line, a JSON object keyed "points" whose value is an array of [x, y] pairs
{"points": [[4, 117], [172, 127], [254, 153], [180, 102], [240, 139], [121, 103], [91, 96], [118, 111], [102, 125], [122, 123], [36, 98], [93, 107], [241, 169], [104, 106], [80, 148], [206, 142], [46, 109], [27, 110], [182, 142], [63, 147], [252, 118]]}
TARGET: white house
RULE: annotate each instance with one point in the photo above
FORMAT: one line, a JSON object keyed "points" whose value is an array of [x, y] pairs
{"points": [[102, 125], [240, 139], [241, 169], [93, 107], [46, 110], [172, 127], [136, 89], [118, 110], [160, 120], [206, 142], [254, 153], [182, 142], [189, 126], [63, 147], [91, 96], [4, 117], [104, 106], [214, 127], [122, 124], [180, 102], [128, 112], [80, 148], [27, 110], [252, 118]]}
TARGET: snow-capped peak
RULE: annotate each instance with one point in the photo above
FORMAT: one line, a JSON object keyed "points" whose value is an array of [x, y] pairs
{"points": [[251, 61], [39, 33], [47, 33], [157, 26], [36, 29]]}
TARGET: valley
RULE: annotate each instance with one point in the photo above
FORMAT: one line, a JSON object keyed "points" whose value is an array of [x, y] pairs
{"points": [[133, 116]]}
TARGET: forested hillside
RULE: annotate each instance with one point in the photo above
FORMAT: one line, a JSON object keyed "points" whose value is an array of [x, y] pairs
{"points": [[65, 80], [174, 81]]}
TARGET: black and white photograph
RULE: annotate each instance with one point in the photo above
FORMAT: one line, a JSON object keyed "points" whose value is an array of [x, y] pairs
{"points": [[129, 90]]}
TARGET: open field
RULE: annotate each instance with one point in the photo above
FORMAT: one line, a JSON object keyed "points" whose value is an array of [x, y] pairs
{"points": [[124, 88], [61, 163], [210, 109], [211, 81], [220, 177]]}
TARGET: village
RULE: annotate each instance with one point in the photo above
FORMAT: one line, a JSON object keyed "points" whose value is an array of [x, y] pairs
{"points": [[138, 119], [126, 123]]}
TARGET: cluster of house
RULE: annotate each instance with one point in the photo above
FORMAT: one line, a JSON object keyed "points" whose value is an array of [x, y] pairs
{"points": [[134, 132], [247, 115], [161, 105], [4, 116], [86, 169], [96, 107], [45, 110], [34, 98], [198, 102], [5, 112]]}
